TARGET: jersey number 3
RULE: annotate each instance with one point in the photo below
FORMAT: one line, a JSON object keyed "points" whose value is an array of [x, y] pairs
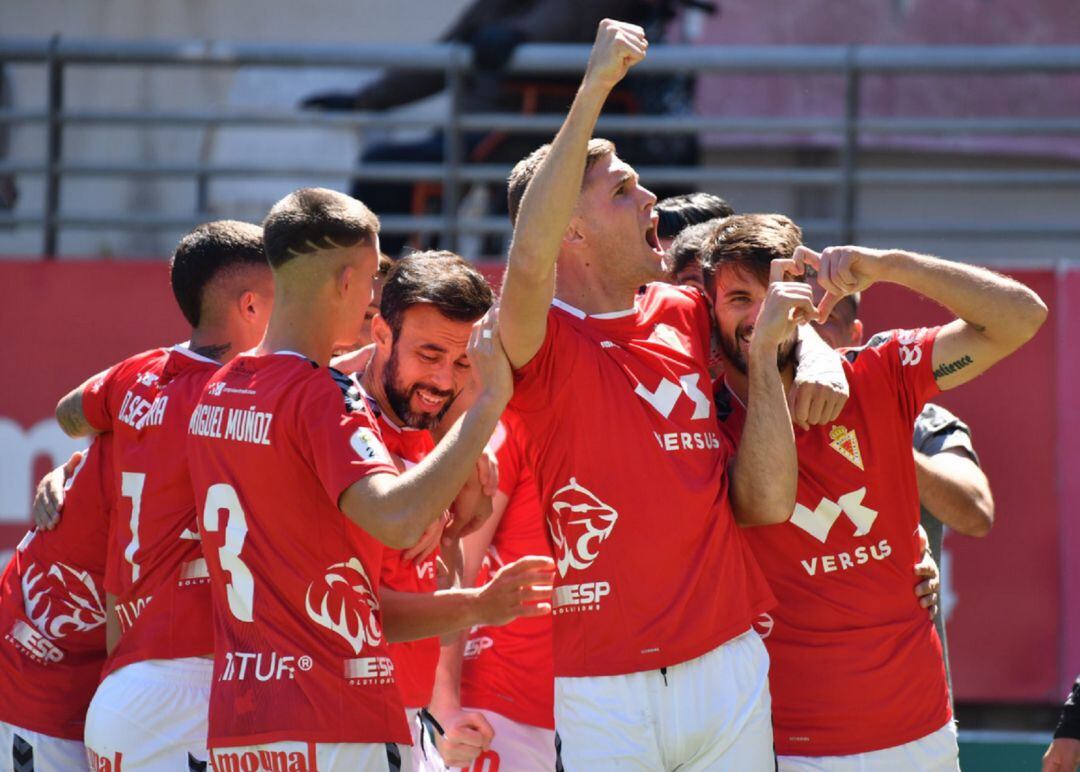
{"points": [[241, 587]]}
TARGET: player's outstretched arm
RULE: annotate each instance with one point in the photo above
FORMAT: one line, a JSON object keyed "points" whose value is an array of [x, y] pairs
{"points": [[521, 588], [956, 491], [397, 509], [764, 475], [70, 414], [995, 314], [550, 198]]}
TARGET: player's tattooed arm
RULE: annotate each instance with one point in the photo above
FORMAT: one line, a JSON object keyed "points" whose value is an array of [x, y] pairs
{"points": [[995, 314], [546, 211], [70, 415], [820, 390]]}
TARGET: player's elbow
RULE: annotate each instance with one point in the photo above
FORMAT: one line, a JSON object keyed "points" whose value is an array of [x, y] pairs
{"points": [[980, 515], [1028, 317]]}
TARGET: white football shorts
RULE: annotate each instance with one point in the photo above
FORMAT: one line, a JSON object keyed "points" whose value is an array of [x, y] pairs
{"points": [[21, 749], [151, 716], [709, 713], [937, 752]]}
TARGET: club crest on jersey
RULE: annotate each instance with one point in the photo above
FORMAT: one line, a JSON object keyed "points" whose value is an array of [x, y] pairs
{"points": [[581, 523], [844, 442], [344, 602], [62, 600]]}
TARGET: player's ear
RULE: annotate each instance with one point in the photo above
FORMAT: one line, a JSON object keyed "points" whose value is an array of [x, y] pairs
{"points": [[856, 332], [248, 304], [575, 233], [381, 334]]}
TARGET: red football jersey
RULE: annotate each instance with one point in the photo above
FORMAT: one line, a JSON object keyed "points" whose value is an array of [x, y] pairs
{"points": [[414, 661], [300, 652], [632, 473], [52, 608], [508, 669], [155, 569], [856, 663]]}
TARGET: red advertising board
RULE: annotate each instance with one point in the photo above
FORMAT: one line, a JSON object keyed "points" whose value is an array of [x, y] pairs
{"points": [[1014, 631]]}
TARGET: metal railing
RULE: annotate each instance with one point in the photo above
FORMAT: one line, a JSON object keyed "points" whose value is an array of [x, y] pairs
{"points": [[851, 63]]}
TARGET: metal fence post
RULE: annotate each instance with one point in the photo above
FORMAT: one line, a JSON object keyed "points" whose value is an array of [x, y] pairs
{"points": [[453, 152], [849, 153], [54, 149]]}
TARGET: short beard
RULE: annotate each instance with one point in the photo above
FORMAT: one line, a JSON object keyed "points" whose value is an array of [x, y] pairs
{"points": [[400, 400], [729, 345]]}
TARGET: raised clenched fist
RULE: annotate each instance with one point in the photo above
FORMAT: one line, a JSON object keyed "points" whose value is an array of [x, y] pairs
{"points": [[618, 47]]}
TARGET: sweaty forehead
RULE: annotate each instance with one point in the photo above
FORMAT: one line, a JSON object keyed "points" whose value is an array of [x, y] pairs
{"points": [[424, 326]]}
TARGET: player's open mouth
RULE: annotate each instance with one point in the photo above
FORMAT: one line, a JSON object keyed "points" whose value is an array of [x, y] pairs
{"points": [[652, 238], [427, 399]]}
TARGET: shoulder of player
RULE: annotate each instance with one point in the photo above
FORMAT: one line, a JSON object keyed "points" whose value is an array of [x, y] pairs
{"points": [[660, 294]]}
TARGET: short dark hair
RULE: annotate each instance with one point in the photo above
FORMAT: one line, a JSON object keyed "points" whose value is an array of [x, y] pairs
{"points": [[525, 169], [385, 264], [679, 212], [439, 278], [687, 247], [207, 252], [313, 219], [750, 242]]}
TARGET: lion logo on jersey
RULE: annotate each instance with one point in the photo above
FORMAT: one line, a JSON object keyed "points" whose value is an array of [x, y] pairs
{"points": [[62, 600], [348, 604], [580, 524]]}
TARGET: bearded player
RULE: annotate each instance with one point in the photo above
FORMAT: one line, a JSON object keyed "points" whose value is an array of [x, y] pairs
{"points": [[654, 668], [418, 371], [149, 712], [857, 674], [296, 490]]}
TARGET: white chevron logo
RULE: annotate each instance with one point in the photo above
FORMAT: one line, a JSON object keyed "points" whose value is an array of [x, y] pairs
{"points": [[819, 521]]}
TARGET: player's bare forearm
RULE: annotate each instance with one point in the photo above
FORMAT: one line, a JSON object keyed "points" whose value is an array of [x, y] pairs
{"points": [[412, 616], [765, 472], [956, 492], [551, 196], [70, 416], [112, 624], [446, 694], [397, 509], [820, 390], [545, 212], [995, 314], [475, 545]]}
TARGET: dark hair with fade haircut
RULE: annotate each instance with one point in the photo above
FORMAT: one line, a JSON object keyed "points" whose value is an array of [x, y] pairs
{"points": [[206, 252], [679, 212], [438, 278], [687, 247], [525, 169], [313, 219], [750, 242]]}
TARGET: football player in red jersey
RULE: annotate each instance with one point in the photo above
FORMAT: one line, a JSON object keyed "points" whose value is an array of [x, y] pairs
{"points": [[296, 490], [656, 664], [857, 675], [52, 616], [149, 712], [418, 371]]}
